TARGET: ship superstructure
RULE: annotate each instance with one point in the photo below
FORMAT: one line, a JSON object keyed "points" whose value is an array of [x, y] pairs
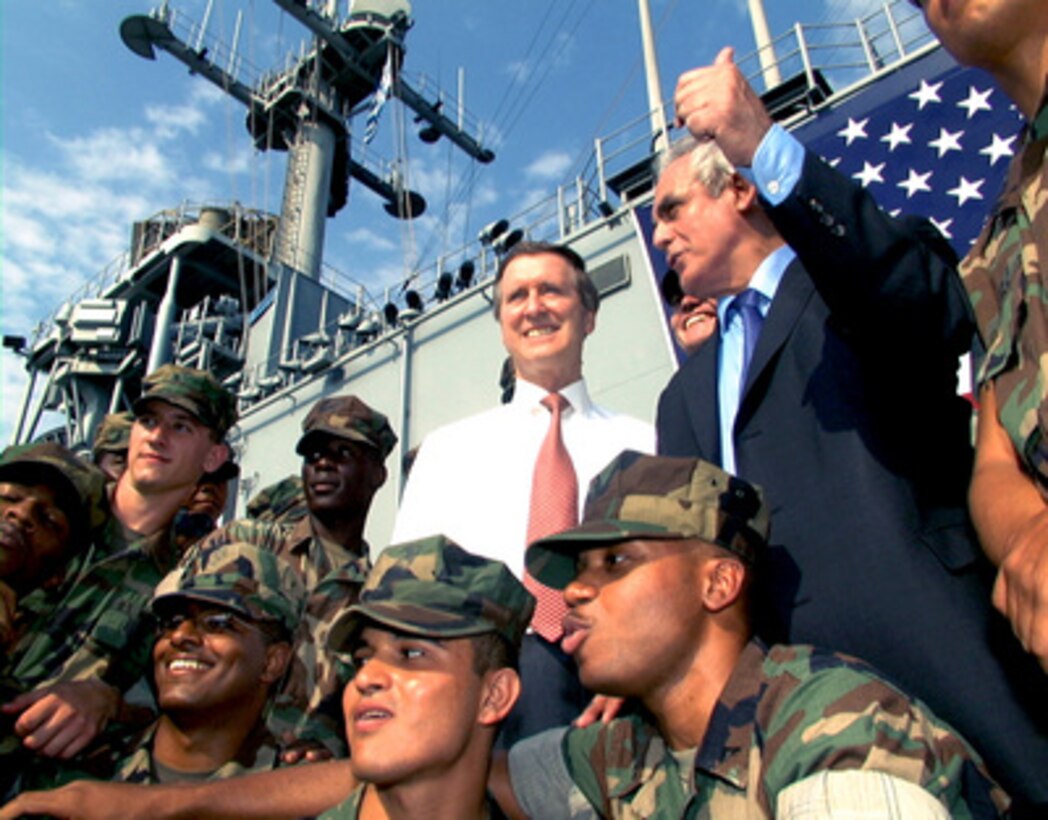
{"points": [[246, 294]]}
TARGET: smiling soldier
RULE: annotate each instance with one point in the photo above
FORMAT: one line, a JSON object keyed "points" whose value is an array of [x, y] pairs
{"points": [[344, 445]]}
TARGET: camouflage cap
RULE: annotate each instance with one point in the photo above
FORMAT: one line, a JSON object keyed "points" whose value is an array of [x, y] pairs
{"points": [[242, 577], [284, 500], [435, 589], [113, 434], [193, 390], [79, 486], [657, 497], [348, 417]]}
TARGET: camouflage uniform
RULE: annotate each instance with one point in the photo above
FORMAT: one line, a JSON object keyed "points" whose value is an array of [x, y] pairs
{"points": [[434, 589], [283, 501], [1005, 277], [238, 577], [784, 714], [98, 629], [80, 492], [308, 706]]}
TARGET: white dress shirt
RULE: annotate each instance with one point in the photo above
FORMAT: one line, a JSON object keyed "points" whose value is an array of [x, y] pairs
{"points": [[471, 480]]}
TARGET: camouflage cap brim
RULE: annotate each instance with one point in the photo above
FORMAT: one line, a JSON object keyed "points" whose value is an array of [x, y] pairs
{"points": [[433, 588], [78, 485], [139, 405], [406, 618], [321, 432], [551, 560], [657, 497], [226, 599], [238, 576]]}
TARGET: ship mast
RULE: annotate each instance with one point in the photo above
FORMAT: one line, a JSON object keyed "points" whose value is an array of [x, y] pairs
{"points": [[659, 129], [765, 47]]}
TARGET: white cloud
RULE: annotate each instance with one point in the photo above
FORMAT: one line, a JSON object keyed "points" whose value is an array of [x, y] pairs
{"points": [[371, 239], [114, 155], [550, 166], [169, 121]]}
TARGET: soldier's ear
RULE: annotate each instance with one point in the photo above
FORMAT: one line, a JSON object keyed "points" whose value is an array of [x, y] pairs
{"points": [[278, 655], [216, 457], [722, 583], [378, 475], [501, 688]]}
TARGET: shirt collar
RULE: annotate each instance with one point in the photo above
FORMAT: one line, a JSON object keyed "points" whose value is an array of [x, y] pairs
{"points": [[527, 395], [765, 280], [725, 749]]}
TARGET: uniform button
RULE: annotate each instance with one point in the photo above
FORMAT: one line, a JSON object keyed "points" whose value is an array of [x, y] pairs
{"points": [[773, 186]]}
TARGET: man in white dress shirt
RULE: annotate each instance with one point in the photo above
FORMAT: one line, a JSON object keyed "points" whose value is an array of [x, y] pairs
{"points": [[472, 479]]}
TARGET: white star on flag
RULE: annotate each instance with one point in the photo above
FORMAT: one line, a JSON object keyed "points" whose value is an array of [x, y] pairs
{"points": [[870, 173], [943, 225], [966, 190], [976, 101], [947, 141], [927, 93], [916, 183], [899, 135], [908, 160], [998, 149], [853, 131]]}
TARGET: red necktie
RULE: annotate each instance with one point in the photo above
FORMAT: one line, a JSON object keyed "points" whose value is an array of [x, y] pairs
{"points": [[554, 508]]}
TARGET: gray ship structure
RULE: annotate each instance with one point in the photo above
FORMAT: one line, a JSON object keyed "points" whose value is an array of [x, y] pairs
{"points": [[245, 294]]}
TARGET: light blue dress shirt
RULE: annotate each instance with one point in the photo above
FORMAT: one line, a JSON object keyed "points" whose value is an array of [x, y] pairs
{"points": [[777, 165]]}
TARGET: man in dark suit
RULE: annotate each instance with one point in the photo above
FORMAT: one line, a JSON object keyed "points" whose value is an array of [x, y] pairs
{"points": [[845, 410]]}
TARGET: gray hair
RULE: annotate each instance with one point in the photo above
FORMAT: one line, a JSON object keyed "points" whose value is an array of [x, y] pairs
{"points": [[708, 163]]}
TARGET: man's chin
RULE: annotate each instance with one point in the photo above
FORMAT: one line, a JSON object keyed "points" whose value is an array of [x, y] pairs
{"points": [[13, 551]]}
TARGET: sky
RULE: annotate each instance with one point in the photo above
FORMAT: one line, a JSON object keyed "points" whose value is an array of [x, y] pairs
{"points": [[94, 137]]}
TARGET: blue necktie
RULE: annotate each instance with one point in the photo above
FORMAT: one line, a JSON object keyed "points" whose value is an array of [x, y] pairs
{"points": [[748, 305]]}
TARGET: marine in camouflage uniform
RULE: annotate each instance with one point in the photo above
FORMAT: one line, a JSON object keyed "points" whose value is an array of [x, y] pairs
{"points": [[1008, 285], [783, 714], [99, 629], [37, 583], [307, 711], [434, 589], [255, 585], [241, 579]]}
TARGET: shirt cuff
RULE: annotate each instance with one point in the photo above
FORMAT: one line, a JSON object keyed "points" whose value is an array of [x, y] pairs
{"points": [[777, 165]]}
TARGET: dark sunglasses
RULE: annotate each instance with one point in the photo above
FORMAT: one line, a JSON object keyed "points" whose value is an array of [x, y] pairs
{"points": [[205, 623]]}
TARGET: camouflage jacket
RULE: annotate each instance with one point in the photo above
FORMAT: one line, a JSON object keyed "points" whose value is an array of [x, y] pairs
{"points": [[258, 753], [307, 706], [1006, 280], [784, 714], [97, 629]]}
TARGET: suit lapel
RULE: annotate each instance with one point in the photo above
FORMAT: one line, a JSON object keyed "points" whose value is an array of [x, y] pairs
{"points": [[793, 294]]}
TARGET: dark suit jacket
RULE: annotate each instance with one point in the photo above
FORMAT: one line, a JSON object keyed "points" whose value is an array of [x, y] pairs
{"points": [[851, 423]]}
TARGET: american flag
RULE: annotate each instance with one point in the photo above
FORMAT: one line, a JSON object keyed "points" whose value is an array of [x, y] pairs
{"points": [[933, 139]]}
